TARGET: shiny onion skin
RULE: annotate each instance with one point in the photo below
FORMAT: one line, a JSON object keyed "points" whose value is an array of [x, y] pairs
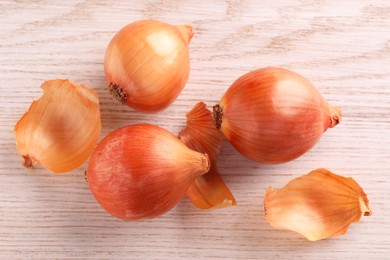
{"points": [[273, 115], [142, 171], [147, 64]]}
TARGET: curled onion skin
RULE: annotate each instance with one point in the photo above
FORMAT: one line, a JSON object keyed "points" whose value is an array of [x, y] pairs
{"points": [[208, 191], [142, 171], [274, 115], [61, 128], [147, 64], [317, 205]]}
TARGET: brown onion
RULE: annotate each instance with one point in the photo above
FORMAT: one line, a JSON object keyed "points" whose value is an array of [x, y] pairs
{"points": [[142, 171], [147, 64], [274, 115]]}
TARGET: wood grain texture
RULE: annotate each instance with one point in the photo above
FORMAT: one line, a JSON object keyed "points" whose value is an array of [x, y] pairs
{"points": [[343, 47]]}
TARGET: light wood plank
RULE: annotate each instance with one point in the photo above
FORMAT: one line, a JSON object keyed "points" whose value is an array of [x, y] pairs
{"points": [[343, 47]]}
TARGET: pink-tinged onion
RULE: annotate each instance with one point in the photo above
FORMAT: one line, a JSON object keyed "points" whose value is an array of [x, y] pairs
{"points": [[142, 171], [274, 115], [147, 64]]}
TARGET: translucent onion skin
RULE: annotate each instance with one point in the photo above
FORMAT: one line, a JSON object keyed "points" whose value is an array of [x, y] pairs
{"points": [[61, 128], [274, 115], [142, 171], [147, 64], [317, 205]]}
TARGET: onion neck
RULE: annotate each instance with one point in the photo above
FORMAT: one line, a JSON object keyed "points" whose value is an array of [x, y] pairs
{"points": [[29, 161], [205, 163], [186, 31], [334, 115], [218, 115], [199, 165], [365, 206]]}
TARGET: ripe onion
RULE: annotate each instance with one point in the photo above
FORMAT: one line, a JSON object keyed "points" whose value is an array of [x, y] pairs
{"points": [[142, 171], [273, 115], [61, 128], [147, 64]]}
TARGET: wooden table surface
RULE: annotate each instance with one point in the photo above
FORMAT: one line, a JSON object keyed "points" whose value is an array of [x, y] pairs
{"points": [[343, 47]]}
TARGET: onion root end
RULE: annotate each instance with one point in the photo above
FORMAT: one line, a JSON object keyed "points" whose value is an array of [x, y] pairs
{"points": [[117, 93], [218, 115]]}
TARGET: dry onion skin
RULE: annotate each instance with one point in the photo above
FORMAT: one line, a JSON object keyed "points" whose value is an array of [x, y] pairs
{"points": [[147, 64], [273, 115], [141, 171], [61, 128], [317, 205], [208, 191]]}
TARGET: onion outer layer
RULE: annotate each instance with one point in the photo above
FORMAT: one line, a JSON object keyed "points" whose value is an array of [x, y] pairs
{"points": [[61, 128], [208, 191], [317, 205]]}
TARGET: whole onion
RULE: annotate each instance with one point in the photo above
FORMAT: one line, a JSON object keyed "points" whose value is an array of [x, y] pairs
{"points": [[147, 64], [142, 171], [273, 115]]}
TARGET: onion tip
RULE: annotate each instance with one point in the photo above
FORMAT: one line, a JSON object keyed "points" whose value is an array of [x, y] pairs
{"points": [[186, 32], [335, 116], [117, 93], [365, 206], [206, 163], [28, 162]]}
